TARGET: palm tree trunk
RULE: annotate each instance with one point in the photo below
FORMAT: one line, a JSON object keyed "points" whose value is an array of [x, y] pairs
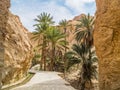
{"points": [[83, 82], [43, 59], [82, 86], [53, 57], [41, 62], [65, 62], [44, 53]]}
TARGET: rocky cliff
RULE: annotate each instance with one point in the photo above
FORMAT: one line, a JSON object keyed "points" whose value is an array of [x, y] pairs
{"points": [[17, 46], [4, 5], [71, 29], [107, 43]]}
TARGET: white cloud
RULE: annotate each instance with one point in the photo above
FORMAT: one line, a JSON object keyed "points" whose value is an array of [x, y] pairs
{"points": [[58, 12], [78, 5], [27, 14], [28, 11], [87, 1]]}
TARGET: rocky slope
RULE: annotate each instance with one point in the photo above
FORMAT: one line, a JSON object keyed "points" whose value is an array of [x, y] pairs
{"points": [[107, 42], [17, 46]]}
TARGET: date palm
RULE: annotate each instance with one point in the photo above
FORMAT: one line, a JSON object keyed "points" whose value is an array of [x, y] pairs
{"points": [[84, 37], [64, 24], [44, 21], [84, 30], [56, 40], [88, 70]]}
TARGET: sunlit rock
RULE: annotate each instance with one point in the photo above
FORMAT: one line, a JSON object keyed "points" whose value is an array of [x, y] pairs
{"points": [[107, 43], [15, 46]]}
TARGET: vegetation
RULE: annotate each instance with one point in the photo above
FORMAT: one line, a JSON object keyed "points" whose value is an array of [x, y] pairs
{"points": [[44, 21], [28, 77], [56, 41], [54, 52], [84, 38], [52, 40], [64, 24]]}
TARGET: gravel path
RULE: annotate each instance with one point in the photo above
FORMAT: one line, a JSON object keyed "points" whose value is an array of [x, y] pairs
{"points": [[46, 81]]}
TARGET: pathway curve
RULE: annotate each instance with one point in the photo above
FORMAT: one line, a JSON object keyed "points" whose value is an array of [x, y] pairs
{"points": [[46, 81]]}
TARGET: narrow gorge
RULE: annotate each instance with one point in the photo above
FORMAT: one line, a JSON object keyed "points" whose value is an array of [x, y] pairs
{"points": [[16, 46]]}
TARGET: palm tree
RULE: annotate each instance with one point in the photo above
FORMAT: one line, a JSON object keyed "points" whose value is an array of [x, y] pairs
{"points": [[72, 59], [84, 37], [64, 24], [44, 21], [88, 70], [56, 40], [84, 30]]}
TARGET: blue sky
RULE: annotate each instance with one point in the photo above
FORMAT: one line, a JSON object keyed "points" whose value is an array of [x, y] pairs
{"points": [[27, 10]]}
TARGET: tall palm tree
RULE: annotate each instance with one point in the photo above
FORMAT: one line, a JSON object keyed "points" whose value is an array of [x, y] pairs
{"points": [[88, 70], [44, 21], [84, 30], [64, 24], [56, 40], [84, 37]]}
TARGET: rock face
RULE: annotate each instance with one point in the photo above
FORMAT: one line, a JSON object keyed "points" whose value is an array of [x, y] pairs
{"points": [[71, 29], [4, 5], [107, 43], [17, 46]]}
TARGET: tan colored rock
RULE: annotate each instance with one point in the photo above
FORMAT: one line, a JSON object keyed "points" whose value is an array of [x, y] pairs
{"points": [[15, 46], [4, 5], [107, 43], [71, 29], [78, 17], [18, 49], [33, 40]]}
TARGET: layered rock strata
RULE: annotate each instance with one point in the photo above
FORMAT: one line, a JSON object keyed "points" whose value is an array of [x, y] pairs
{"points": [[107, 43]]}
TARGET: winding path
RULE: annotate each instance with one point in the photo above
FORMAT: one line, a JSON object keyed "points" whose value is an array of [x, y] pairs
{"points": [[46, 81]]}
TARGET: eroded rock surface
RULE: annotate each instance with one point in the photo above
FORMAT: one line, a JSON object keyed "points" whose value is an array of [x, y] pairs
{"points": [[15, 45], [4, 5], [107, 43]]}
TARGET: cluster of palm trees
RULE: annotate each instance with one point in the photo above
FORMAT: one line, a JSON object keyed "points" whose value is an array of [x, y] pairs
{"points": [[51, 40], [53, 43]]}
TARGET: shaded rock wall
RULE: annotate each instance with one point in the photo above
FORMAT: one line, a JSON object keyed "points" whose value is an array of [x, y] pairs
{"points": [[4, 5], [15, 45], [107, 43]]}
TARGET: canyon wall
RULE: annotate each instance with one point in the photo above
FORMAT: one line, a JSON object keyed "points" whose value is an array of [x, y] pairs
{"points": [[4, 5], [107, 43], [17, 47]]}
